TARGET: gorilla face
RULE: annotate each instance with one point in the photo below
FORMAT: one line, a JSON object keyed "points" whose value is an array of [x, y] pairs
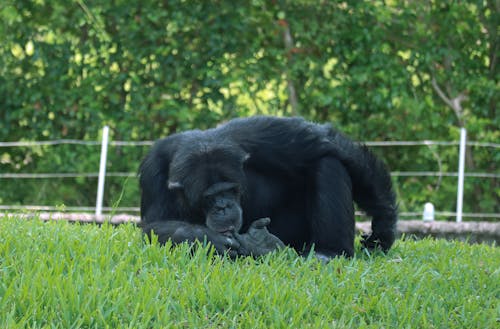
{"points": [[209, 182], [222, 208]]}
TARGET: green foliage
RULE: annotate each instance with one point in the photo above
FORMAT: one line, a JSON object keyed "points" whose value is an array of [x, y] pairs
{"points": [[149, 68], [62, 275]]}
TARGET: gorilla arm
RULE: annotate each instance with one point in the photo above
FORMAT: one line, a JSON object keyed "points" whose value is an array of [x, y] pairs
{"points": [[180, 231]]}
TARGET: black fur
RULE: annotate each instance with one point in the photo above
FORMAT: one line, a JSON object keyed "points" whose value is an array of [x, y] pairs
{"points": [[301, 175]]}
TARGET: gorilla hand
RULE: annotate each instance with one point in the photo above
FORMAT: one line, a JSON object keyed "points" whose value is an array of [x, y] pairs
{"points": [[181, 231], [222, 243], [257, 241]]}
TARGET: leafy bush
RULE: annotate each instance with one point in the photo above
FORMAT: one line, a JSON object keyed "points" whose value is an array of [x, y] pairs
{"points": [[397, 71]]}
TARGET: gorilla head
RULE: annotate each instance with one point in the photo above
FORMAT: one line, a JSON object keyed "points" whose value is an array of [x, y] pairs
{"points": [[208, 179]]}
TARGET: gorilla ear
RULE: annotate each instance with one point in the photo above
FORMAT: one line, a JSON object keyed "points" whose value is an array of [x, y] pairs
{"points": [[174, 185]]}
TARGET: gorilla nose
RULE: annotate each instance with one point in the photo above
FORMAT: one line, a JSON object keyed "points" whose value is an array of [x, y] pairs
{"points": [[221, 204], [220, 207]]}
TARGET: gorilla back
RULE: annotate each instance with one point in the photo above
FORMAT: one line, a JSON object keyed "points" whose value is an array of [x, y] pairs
{"points": [[305, 177]]}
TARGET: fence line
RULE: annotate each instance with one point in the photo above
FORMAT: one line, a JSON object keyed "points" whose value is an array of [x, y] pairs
{"points": [[67, 208], [442, 214], [132, 174], [149, 143], [67, 175], [444, 174], [131, 143], [428, 143], [137, 210], [73, 142], [48, 143], [105, 143]]}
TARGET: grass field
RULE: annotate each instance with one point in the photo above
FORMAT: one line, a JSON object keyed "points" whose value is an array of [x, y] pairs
{"points": [[61, 275]]}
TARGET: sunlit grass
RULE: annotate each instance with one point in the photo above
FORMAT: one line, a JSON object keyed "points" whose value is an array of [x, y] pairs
{"points": [[63, 275]]}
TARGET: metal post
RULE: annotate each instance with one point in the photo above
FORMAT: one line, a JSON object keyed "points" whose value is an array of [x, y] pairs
{"points": [[102, 171], [461, 171]]}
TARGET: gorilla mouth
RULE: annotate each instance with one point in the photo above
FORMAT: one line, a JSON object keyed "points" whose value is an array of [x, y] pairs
{"points": [[228, 231]]}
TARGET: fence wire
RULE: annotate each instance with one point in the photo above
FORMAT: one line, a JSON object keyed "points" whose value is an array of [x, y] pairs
{"points": [[132, 174], [149, 143]]}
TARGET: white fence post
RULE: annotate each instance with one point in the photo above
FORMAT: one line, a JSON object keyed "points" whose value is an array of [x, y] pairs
{"points": [[102, 171], [461, 172]]}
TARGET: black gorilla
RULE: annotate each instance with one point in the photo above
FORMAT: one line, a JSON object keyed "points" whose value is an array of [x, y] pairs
{"points": [[213, 185]]}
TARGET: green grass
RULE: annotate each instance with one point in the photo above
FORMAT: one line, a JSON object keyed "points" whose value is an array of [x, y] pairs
{"points": [[61, 275]]}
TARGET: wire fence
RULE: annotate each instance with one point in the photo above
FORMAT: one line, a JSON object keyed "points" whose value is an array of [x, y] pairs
{"points": [[132, 174], [149, 143], [461, 174]]}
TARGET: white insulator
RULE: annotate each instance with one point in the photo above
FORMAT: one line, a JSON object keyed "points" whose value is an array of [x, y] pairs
{"points": [[428, 214]]}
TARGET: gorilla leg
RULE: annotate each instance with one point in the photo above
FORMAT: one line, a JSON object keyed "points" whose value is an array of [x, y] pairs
{"points": [[331, 209]]}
